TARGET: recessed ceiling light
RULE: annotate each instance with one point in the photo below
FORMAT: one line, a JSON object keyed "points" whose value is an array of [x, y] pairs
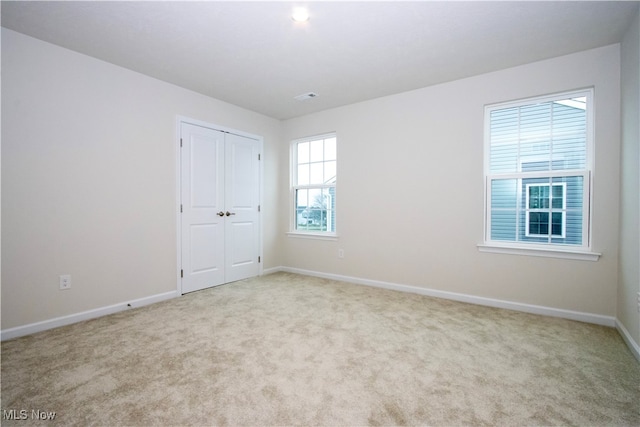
{"points": [[300, 14]]}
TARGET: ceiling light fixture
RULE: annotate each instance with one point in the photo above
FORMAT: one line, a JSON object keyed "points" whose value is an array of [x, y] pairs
{"points": [[300, 14]]}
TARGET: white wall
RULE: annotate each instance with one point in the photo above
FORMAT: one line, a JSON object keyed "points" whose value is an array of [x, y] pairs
{"points": [[629, 283], [89, 180], [410, 189], [88, 185]]}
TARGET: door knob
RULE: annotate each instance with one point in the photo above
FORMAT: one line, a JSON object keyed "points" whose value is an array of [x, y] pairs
{"points": [[229, 213], [220, 213]]}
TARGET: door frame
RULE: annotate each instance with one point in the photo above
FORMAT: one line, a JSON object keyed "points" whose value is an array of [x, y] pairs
{"points": [[260, 140]]}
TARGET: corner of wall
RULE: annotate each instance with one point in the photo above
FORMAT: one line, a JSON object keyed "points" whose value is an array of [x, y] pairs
{"points": [[628, 290]]}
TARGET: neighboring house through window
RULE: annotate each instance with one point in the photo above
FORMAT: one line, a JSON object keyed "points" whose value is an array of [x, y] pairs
{"points": [[314, 185], [540, 222], [538, 161]]}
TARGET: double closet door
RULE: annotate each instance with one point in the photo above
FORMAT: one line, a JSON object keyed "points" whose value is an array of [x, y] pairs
{"points": [[220, 211]]}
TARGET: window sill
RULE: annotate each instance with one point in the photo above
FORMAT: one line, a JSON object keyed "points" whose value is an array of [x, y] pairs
{"points": [[313, 236], [549, 252]]}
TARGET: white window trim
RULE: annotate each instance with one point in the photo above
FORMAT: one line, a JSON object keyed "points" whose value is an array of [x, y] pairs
{"points": [[574, 252], [293, 231], [322, 235], [549, 251]]}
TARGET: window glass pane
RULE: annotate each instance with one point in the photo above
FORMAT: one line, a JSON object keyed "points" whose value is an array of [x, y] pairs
{"points": [[540, 136], [538, 196], [574, 191], [316, 171], [539, 223], [303, 152], [534, 199], [569, 129], [303, 220], [302, 199], [534, 128], [319, 213], [303, 174], [558, 197], [330, 203], [504, 140], [504, 158], [302, 212], [329, 172], [504, 204], [503, 225], [569, 154], [504, 193], [315, 209], [315, 198], [556, 226], [573, 204], [534, 164], [544, 197], [316, 151], [504, 126], [330, 149]]}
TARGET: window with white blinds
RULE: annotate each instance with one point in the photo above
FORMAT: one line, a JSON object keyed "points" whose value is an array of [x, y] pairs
{"points": [[538, 155]]}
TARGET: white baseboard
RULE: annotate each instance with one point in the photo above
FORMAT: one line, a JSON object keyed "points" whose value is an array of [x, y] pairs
{"points": [[471, 299], [32, 328], [626, 336], [271, 270], [526, 308]]}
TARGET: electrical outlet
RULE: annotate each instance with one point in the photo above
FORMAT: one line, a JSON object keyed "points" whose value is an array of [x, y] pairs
{"points": [[65, 281], [340, 253]]}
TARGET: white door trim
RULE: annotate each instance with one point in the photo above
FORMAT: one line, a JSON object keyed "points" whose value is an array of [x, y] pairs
{"points": [[178, 166]]}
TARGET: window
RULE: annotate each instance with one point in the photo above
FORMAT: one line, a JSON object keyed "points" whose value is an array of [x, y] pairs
{"points": [[314, 185], [538, 155], [539, 199]]}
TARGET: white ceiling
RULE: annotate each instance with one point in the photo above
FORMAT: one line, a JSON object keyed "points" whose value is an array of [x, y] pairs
{"points": [[252, 54]]}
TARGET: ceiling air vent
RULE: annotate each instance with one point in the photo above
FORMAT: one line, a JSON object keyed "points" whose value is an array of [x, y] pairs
{"points": [[305, 96]]}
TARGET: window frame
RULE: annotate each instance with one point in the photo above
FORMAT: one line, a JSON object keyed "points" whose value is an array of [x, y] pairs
{"points": [[294, 187], [582, 251]]}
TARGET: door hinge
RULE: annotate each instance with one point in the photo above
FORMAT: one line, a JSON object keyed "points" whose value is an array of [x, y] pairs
{"points": [[258, 156], [180, 142], [180, 208], [181, 273], [258, 208], [258, 259]]}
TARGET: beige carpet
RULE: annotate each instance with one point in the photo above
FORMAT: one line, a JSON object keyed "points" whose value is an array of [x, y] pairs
{"points": [[286, 349]]}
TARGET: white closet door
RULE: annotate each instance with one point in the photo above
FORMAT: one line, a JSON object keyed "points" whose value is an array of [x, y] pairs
{"points": [[220, 192], [242, 198], [203, 221]]}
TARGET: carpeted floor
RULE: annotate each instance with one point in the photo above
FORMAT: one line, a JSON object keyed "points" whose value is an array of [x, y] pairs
{"points": [[285, 349]]}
